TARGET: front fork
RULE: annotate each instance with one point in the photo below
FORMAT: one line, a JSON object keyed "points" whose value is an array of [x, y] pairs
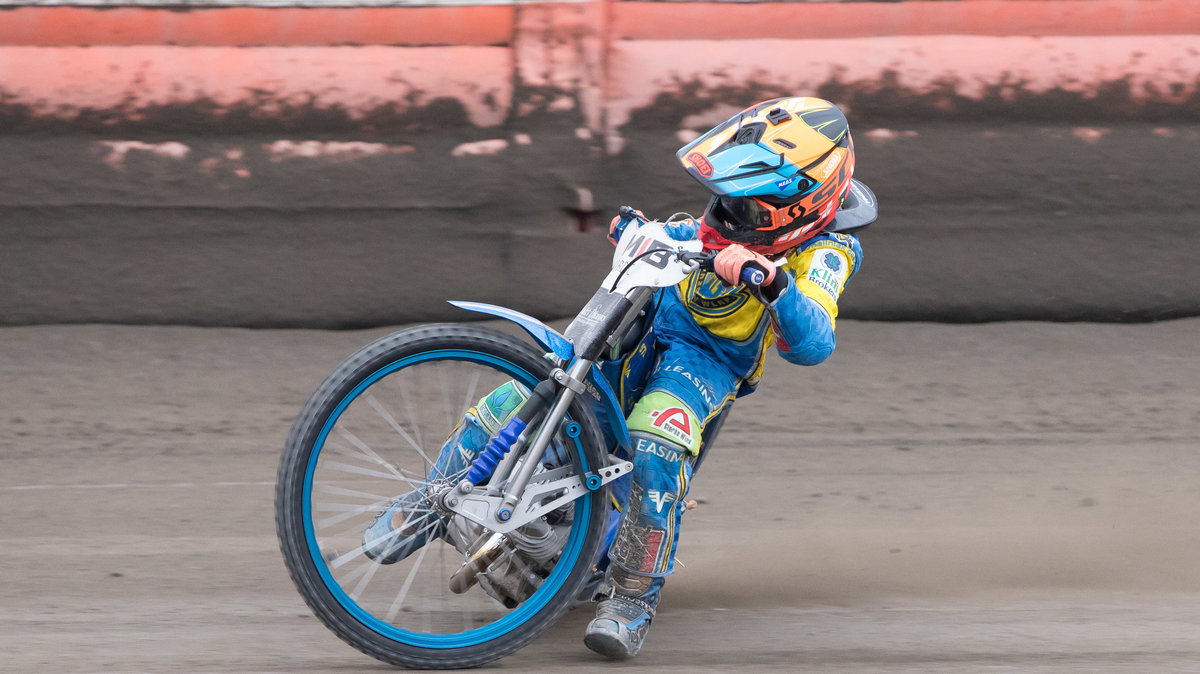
{"points": [[572, 385], [504, 508], [600, 327]]}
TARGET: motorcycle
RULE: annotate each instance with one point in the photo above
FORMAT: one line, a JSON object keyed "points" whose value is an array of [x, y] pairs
{"points": [[501, 457]]}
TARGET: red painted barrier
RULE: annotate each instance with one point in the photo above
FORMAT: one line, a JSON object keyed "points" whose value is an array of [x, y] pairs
{"points": [[493, 24], [257, 26], [605, 59], [802, 20]]}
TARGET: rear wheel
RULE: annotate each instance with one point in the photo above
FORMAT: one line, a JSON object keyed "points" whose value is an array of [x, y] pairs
{"points": [[375, 432]]}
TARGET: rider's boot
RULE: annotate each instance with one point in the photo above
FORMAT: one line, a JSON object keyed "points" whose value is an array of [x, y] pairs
{"points": [[642, 552], [408, 521], [400, 529], [623, 618]]}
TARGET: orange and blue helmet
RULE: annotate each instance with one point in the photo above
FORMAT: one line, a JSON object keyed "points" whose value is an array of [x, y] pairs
{"points": [[778, 171]]}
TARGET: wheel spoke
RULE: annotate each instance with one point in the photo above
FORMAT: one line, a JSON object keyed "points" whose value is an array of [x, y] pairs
{"points": [[342, 491], [450, 420], [359, 571], [346, 507], [358, 527], [452, 477], [411, 412], [340, 561], [362, 584], [366, 450], [471, 391], [337, 465], [397, 473], [378, 407], [412, 573], [349, 511]]}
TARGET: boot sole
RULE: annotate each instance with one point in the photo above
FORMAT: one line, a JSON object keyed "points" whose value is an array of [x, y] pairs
{"points": [[607, 645]]}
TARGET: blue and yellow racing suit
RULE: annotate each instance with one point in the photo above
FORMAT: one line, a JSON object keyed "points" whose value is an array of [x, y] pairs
{"points": [[710, 342]]}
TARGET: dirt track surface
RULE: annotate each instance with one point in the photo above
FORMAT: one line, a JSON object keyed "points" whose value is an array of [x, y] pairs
{"points": [[1001, 497]]}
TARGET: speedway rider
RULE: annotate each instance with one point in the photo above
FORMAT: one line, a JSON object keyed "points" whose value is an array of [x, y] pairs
{"points": [[778, 171], [783, 200]]}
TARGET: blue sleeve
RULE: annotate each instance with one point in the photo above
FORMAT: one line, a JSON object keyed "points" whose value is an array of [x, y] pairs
{"points": [[805, 312], [804, 331]]}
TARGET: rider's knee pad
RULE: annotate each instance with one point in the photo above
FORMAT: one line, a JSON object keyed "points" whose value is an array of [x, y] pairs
{"points": [[498, 407], [664, 416], [478, 425]]}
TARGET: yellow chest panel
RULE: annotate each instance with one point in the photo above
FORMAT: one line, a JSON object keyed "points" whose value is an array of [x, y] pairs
{"points": [[732, 313]]}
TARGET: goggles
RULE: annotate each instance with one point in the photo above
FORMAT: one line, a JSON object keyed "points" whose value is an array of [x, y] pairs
{"points": [[753, 215]]}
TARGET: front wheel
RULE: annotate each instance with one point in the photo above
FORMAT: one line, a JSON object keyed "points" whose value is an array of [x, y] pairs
{"points": [[390, 426]]}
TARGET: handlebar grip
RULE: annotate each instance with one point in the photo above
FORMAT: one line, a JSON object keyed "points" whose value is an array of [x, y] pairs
{"points": [[753, 276]]}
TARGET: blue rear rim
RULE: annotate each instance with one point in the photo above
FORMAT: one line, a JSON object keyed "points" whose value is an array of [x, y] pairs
{"points": [[518, 616]]}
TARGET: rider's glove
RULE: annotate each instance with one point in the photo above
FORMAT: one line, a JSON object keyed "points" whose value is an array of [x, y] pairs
{"points": [[730, 261], [617, 227]]}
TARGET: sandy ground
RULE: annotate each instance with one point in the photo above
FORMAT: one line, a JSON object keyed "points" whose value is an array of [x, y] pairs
{"points": [[936, 498]]}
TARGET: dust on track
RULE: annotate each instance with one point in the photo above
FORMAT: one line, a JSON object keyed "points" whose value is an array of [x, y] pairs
{"points": [[1012, 496]]}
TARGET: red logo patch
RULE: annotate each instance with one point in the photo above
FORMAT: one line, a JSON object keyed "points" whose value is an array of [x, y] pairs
{"points": [[654, 542], [701, 163], [675, 421]]}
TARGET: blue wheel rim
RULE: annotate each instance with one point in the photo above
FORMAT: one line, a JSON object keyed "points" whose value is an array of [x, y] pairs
{"points": [[518, 616]]}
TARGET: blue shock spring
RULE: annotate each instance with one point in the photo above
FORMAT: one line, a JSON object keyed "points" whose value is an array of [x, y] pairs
{"points": [[497, 447]]}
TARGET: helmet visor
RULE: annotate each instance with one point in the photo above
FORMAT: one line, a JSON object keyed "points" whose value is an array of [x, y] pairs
{"points": [[748, 213]]}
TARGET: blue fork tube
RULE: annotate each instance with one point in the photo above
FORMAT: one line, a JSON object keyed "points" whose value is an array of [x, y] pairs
{"points": [[578, 371]]}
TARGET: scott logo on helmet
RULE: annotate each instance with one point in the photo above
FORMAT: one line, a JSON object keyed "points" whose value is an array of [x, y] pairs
{"points": [[701, 163], [794, 211], [675, 422]]}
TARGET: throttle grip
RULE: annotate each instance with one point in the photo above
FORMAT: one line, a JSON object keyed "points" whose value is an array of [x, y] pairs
{"points": [[753, 276]]}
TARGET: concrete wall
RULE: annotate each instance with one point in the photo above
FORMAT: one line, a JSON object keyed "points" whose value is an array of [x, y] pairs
{"points": [[336, 167]]}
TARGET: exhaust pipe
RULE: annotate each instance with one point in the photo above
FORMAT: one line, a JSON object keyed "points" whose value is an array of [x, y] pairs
{"points": [[479, 559]]}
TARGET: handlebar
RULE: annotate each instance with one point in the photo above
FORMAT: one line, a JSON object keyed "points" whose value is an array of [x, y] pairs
{"points": [[752, 273]]}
